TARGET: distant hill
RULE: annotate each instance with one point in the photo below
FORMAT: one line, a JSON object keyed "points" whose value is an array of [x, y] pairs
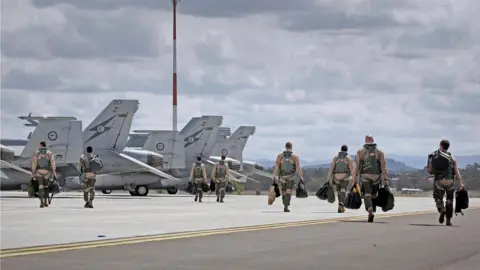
{"points": [[395, 162], [421, 161], [392, 165]]}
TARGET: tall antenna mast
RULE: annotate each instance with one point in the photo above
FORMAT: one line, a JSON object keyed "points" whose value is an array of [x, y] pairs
{"points": [[174, 86]]}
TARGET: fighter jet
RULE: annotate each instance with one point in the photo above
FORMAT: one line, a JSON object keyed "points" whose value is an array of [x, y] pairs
{"points": [[10, 174], [124, 168], [107, 134], [186, 153], [62, 135], [179, 149], [233, 146]]}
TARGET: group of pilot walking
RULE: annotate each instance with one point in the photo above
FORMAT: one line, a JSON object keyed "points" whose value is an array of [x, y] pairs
{"points": [[369, 167], [44, 173]]}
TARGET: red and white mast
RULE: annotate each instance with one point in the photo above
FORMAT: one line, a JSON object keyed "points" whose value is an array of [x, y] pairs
{"points": [[174, 85]]}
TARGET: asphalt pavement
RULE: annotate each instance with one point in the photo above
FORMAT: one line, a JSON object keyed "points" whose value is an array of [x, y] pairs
{"points": [[403, 243]]}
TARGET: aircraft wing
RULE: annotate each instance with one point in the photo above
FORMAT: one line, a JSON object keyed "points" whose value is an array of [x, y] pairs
{"points": [[148, 167], [263, 173], [236, 175], [8, 165], [239, 180]]}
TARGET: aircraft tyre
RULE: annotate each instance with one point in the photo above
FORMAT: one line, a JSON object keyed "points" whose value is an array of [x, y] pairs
{"points": [[172, 190], [133, 193], [141, 190], [106, 191]]}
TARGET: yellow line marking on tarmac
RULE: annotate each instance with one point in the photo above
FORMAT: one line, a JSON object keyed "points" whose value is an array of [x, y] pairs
{"points": [[172, 236]]}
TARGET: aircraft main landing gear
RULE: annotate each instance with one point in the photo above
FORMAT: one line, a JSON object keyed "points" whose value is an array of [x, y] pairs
{"points": [[172, 190], [140, 191], [106, 191]]}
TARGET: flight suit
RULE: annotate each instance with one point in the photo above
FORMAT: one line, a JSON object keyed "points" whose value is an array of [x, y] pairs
{"points": [[89, 179], [340, 173], [43, 166], [371, 164], [221, 176], [198, 177], [444, 184], [286, 166]]}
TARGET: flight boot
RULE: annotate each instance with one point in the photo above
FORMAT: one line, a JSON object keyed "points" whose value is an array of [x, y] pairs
{"points": [[449, 222], [42, 204], [441, 218], [371, 215], [286, 202], [449, 213], [222, 196], [90, 204], [341, 208], [218, 198], [196, 197], [86, 205]]}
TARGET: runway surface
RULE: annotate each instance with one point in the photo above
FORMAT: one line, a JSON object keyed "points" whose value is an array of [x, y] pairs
{"points": [[403, 243], [117, 216]]}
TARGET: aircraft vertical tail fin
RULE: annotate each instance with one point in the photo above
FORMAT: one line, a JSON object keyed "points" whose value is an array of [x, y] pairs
{"points": [[62, 136], [197, 141], [170, 145], [110, 129], [187, 128], [136, 140], [233, 146], [223, 134], [240, 137]]}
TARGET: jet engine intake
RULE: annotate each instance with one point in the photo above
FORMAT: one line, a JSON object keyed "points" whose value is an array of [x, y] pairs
{"points": [[233, 166], [259, 167]]}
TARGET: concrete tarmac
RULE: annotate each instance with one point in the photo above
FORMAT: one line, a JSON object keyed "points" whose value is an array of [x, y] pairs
{"points": [[117, 216], [394, 243]]}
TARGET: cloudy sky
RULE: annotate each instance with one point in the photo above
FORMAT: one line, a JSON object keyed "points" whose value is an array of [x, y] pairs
{"points": [[319, 73]]}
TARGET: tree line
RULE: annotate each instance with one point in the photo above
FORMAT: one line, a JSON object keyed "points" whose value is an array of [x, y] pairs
{"points": [[316, 177]]}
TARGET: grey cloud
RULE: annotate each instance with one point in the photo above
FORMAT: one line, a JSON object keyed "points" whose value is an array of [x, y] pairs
{"points": [[452, 104], [439, 38], [19, 79], [442, 83], [50, 82], [10, 105], [209, 53], [204, 8], [408, 55], [334, 20], [83, 37]]}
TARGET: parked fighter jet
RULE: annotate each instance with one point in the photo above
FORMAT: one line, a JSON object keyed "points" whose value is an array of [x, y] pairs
{"points": [[181, 161], [107, 134], [232, 147], [179, 149], [11, 175], [62, 135], [124, 168]]}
